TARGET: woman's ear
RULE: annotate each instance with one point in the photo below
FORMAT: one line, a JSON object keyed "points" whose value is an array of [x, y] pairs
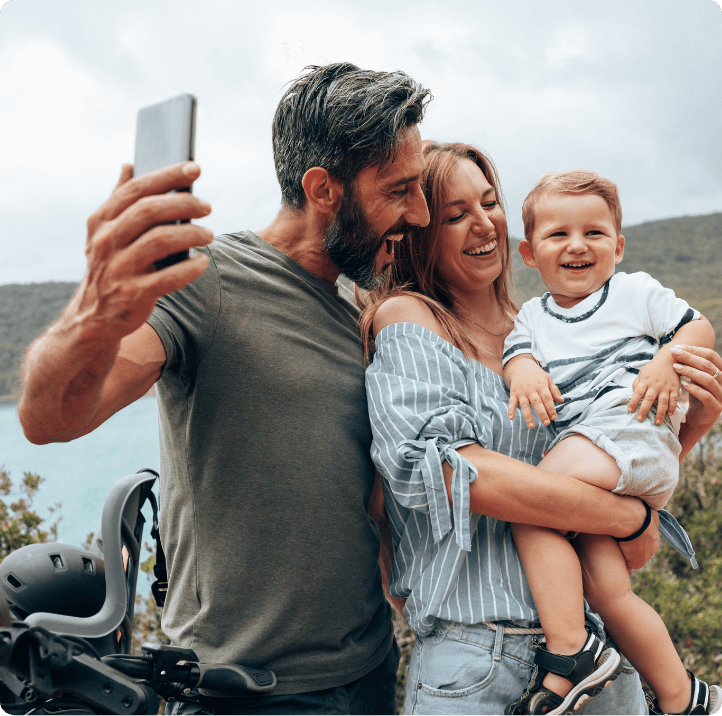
{"points": [[323, 191], [527, 253]]}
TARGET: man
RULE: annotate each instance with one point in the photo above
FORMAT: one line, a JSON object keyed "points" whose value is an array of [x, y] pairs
{"points": [[266, 478]]}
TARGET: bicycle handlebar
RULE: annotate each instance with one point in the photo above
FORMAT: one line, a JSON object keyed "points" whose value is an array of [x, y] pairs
{"points": [[37, 666], [224, 680]]}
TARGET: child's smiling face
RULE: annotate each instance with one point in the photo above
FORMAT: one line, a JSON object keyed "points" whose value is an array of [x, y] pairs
{"points": [[574, 245]]}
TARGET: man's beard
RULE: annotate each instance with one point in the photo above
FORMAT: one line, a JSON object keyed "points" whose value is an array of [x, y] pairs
{"points": [[353, 244]]}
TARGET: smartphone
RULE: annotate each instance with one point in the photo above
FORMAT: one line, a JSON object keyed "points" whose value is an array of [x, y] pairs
{"points": [[165, 134]]}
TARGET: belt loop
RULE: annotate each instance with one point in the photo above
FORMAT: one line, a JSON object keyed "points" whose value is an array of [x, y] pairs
{"points": [[498, 641]]}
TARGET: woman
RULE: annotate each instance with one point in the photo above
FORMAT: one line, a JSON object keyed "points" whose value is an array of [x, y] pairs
{"points": [[457, 470]]}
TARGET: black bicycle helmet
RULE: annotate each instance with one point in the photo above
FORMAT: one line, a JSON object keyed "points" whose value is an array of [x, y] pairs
{"points": [[53, 577]]}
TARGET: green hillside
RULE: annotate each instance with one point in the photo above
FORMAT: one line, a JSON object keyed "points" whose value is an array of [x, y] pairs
{"points": [[684, 254], [25, 311]]}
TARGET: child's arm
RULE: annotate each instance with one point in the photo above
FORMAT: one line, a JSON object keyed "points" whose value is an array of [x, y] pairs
{"points": [[658, 381], [530, 386]]}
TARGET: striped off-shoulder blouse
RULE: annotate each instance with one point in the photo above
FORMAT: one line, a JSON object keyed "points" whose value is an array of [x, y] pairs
{"points": [[426, 399]]}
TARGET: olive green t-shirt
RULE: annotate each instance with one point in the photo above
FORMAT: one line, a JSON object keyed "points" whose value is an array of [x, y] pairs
{"points": [[265, 472]]}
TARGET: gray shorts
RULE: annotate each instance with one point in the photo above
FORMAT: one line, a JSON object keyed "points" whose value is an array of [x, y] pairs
{"points": [[647, 454]]}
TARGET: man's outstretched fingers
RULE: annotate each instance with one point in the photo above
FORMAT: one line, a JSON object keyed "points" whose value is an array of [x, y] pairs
{"points": [[162, 241], [126, 193], [172, 278], [152, 211], [126, 174]]}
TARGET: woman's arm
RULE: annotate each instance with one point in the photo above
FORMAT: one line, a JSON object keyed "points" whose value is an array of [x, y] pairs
{"points": [[510, 490], [703, 367]]}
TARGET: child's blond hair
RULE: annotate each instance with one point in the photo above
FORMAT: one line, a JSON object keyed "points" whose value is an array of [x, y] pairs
{"points": [[571, 181]]}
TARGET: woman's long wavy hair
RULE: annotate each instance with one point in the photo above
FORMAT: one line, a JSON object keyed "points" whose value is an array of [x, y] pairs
{"points": [[413, 272]]}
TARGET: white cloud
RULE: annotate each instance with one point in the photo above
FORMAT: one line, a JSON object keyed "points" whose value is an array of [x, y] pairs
{"points": [[570, 44], [628, 89]]}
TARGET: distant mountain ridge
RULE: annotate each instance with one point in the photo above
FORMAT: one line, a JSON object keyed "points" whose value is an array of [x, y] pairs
{"points": [[684, 254]]}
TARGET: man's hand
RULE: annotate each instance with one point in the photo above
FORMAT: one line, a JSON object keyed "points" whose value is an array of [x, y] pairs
{"points": [[656, 382], [639, 551], [73, 377], [530, 386], [377, 512], [127, 234]]}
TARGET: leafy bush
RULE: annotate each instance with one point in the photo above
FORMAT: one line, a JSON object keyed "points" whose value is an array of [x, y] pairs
{"points": [[19, 523], [688, 600]]}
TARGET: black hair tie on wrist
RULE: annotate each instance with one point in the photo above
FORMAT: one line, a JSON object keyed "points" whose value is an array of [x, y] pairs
{"points": [[640, 531]]}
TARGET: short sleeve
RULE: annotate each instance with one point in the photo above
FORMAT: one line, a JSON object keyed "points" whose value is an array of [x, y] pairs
{"points": [[519, 341], [666, 312], [422, 405], [186, 320]]}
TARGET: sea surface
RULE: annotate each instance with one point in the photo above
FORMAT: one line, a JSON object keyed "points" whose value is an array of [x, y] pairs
{"points": [[79, 474]]}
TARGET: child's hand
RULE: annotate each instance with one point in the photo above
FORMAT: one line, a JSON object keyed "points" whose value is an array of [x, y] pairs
{"points": [[657, 381], [530, 386]]}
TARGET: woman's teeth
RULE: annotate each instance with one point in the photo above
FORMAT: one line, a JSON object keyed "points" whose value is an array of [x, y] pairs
{"points": [[485, 249]]}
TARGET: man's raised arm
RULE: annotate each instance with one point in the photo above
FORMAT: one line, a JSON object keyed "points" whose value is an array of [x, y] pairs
{"points": [[100, 355]]}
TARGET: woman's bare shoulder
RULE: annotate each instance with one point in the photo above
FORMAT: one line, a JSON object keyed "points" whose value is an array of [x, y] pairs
{"points": [[407, 309]]}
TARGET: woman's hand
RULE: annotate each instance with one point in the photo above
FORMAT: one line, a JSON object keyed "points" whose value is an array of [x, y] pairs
{"points": [[639, 551], [703, 367]]}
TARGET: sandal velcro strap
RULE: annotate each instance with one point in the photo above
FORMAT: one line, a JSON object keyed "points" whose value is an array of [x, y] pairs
{"points": [[556, 663], [576, 667]]}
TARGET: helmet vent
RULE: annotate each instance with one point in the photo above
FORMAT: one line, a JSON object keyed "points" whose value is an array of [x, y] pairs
{"points": [[57, 561], [13, 581], [88, 566]]}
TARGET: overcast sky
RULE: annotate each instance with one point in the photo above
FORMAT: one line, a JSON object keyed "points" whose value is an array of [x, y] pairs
{"points": [[629, 88]]}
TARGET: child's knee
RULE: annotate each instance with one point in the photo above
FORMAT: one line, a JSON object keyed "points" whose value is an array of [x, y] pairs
{"points": [[604, 570]]}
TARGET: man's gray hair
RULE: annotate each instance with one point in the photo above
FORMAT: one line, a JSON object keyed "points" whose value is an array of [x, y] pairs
{"points": [[343, 119]]}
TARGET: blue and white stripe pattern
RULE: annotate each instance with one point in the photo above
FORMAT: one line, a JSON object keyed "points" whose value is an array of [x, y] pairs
{"points": [[595, 349], [426, 399]]}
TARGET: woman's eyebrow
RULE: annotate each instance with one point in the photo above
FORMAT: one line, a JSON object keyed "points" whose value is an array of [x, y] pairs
{"points": [[455, 202]]}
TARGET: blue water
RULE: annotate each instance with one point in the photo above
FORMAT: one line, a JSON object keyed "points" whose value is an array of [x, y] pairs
{"points": [[79, 474]]}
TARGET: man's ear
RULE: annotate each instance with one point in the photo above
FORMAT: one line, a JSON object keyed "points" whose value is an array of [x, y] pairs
{"points": [[619, 250], [323, 191], [527, 253]]}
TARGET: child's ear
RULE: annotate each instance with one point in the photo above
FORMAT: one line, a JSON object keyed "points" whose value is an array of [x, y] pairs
{"points": [[527, 253], [619, 250]]}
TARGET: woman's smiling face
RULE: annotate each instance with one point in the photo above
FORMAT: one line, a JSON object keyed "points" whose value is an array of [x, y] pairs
{"points": [[473, 231]]}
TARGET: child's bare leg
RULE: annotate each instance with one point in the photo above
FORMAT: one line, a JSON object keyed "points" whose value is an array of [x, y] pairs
{"points": [[636, 628], [550, 563], [555, 578]]}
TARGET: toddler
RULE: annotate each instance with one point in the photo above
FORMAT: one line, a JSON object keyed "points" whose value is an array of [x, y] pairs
{"points": [[600, 345]]}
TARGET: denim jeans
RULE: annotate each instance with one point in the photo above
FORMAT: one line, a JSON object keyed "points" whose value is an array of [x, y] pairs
{"points": [[462, 669], [374, 693]]}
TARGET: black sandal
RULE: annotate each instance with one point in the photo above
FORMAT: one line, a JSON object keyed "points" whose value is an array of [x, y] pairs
{"points": [[704, 699], [590, 670]]}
